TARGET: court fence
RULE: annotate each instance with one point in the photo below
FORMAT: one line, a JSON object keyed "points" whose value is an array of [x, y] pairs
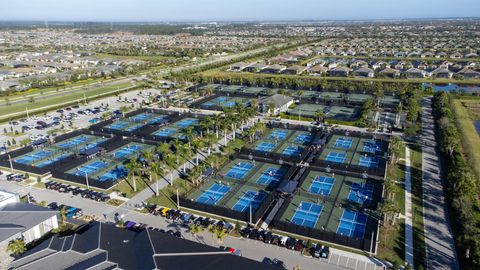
{"points": [[365, 244], [227, 212]]}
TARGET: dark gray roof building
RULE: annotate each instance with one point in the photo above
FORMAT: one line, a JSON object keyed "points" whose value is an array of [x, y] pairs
{"points": [[103, 246]]}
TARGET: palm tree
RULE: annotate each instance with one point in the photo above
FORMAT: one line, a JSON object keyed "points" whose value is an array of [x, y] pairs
{"points": [[195, 174], [195, 229], [148, 156], [156, 170], [319, 115], [133, 166], [206, 123], [188, 134], [395, 148], [17, 246], [197, 145]]}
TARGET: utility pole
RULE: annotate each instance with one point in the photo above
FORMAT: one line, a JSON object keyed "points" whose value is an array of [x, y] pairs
{"points": [[86, 180]]}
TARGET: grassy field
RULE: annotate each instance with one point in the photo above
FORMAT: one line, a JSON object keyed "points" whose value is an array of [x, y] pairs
{"points": [[164, 198], [392, 239], [466, 112], [41, 91], [19, 109], [417, 205]]}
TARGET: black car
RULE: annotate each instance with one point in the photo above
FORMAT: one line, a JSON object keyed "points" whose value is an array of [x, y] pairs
{"points": [[53, 206], [325, 252], [177, 234], [245, 232], [290, 244], [254, 234], [268, 238]]}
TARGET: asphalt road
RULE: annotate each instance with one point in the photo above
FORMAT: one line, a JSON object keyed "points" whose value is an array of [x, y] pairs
{"points": [[439, 241]]}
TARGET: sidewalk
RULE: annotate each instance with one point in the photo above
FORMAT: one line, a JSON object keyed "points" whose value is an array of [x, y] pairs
{"points": [[408, 210]]}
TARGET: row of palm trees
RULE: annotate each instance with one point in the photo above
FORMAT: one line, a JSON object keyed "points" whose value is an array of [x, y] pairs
{"points": [[167, 157]]}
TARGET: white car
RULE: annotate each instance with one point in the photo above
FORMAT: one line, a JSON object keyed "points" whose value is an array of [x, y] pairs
{"points": [[33, 137], [47, 117]]}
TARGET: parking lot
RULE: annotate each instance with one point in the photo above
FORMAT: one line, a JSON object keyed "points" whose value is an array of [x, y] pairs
{"points": [[39, 126]]}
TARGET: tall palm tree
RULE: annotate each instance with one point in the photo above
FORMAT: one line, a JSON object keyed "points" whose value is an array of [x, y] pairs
{"points": [[156, 170], [206, 123], [133, 167], [188, 131]]}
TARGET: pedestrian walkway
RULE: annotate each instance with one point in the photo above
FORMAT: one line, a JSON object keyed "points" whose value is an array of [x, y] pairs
{"points": [[408, 210]]}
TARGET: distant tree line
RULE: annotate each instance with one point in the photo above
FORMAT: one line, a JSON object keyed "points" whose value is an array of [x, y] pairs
{"points": [[462, 187]]}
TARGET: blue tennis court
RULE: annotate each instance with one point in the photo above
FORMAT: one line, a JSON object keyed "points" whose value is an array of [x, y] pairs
{"points": [[33, 157], [307, 214], [303, 138], [127, 151], [213, 194], [292, 150], [322, 185], [140, 117], [186, 122], [368, 161], [156, 119], [371, 146], [250, 197], [239, 170], [115, 174], [352, 224], [215, 102], [50, 161], [265, 146], [270, 175], [133, 127], [165, 132], [278, 134], [120, 125], [343, 143], [336, 157], [73, 142], [90, 168], [360, 193]]}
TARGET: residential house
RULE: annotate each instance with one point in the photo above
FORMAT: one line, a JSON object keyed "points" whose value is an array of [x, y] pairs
{"points": [[339, 72], [468, 73], [363, 72], [471, 55], [390, 72], [317, 70], [442, 73], [279, 103], [456, 55], [257, 67], [416, 73], [273, 69], [294, 70]]}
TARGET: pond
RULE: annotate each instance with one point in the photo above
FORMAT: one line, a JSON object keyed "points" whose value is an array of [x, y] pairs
{"points": [[453, 87], [477, 126]]}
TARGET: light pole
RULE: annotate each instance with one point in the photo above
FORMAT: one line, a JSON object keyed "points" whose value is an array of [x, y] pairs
{"points": [[11, 164], [86, 179]]}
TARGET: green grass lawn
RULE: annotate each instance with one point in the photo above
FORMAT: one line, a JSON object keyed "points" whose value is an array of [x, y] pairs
{"points": [[392, 238], [464, 118], [417, 205], [8, 111], [164, 198], [125, 187]]}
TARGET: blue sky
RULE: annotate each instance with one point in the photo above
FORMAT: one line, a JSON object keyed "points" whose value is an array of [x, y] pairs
{"points": [[195, 10]]}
